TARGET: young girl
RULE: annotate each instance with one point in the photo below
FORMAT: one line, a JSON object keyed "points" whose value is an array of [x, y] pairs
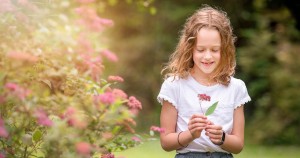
{"points": [[200, 73]]}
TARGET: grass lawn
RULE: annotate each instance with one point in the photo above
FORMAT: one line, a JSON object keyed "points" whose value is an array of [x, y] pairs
{"points": [[152, 149]]}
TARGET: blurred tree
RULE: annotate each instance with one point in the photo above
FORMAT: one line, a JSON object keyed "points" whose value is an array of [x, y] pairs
{"points": [[266, 48], [269, 65]]}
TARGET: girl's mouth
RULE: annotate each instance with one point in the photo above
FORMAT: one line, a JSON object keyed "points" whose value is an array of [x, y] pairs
{"points": [[207, 63]]}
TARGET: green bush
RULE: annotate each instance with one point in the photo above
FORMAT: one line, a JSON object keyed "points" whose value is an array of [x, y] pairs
{"points": [[55, 99]]}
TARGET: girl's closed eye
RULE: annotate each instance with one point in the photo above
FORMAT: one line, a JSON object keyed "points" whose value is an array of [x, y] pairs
{"points": [[200, 50], [215, 50]]}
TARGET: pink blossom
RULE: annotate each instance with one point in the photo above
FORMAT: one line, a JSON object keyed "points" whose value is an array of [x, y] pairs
{"points": [[115, 78], [107, 135], [83, 148], [22, 56], [23, 2], [137, 139], [91, 65], [17, 90], [118, 93], [91, 20], [109, 155], [28, 5], [71, 115], [157, 129], [204, 97], [106, 22], [85, 44], [42, 118], [2, 155], [3, 132], [2, 99], [70, 111], [11, 86], [110, 55], [105, 98], [85, 1], [134, 103], [6, 6]]}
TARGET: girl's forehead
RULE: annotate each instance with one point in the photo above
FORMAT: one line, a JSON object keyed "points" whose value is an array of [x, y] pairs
{"points": [[208, 36]]}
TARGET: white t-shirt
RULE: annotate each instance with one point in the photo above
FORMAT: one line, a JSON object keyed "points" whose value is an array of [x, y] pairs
{"points": [[183, 95]]}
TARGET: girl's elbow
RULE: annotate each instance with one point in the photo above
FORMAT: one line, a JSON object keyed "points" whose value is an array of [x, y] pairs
{"points": [[165, 147], [238, 149]]}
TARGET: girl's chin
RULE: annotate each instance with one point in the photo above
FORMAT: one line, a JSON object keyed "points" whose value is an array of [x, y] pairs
{"points": [[204, 70], [207, 70]]}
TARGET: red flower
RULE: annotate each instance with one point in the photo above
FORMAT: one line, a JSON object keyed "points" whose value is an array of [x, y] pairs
{"points": [[2, 155], [118, 93], [71, 115], [91, 20], [137, 139], [204, 97], [106, 98], [3, 132], [2, 99], [157, 129], [115, 78], [83, 148], [85, 1], [109, 55], [134, 103], [17, 90], [109, 155], [43, 118]]}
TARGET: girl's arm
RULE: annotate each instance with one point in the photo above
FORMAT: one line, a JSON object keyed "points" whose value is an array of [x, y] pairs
{"points": [[168, 120], [169, 139], [234, 142]]}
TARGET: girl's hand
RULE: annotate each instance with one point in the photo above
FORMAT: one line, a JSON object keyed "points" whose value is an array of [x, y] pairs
{"points": [[196, 124], [214, 132]]}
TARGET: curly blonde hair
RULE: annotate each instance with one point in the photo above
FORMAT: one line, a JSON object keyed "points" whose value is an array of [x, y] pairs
{"points": [[181, 61]]}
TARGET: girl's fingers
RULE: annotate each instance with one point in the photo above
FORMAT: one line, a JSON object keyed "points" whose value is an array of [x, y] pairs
{"points": [[214, 136], [196, 125], [213, 127], [217, 131], [198, 120], [216, 141], [198, 116]]}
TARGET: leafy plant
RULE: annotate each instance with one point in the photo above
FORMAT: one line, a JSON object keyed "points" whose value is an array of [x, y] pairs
{"points": [[56, 100]]}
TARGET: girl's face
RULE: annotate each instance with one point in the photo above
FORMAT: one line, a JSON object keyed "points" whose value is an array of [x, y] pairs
{"points": [[207, 51]]}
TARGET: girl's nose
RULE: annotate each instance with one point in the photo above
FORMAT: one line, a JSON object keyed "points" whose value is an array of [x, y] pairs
{"points": [[207, 54]]}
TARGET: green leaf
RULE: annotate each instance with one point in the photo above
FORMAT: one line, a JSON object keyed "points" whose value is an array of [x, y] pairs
{"points": [[37, 135], [211, 109]]}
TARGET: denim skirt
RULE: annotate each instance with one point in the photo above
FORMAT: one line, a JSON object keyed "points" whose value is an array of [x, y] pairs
{"points": [[203, 155]]}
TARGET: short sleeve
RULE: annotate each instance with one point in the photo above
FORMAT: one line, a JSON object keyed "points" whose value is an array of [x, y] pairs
{"points": [[169, 91], [242, 95]]}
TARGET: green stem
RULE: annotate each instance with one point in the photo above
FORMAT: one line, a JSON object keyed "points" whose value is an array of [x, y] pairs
{"points": [[25, 152]]}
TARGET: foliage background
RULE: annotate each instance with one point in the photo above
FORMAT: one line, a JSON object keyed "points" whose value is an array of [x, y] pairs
{"points": [[267, 55]]}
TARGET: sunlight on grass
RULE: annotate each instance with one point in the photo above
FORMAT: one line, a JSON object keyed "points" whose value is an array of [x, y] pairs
{"points": [[153, 149]]}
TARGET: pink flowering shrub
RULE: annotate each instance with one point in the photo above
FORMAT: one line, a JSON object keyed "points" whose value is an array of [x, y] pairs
{"points": [[55, 99]]}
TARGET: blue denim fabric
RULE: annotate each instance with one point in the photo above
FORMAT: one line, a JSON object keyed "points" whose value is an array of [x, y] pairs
{"points": [[204, 155]]}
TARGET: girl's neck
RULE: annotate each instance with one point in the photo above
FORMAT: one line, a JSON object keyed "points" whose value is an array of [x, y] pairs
{"points": [[203, 79]]}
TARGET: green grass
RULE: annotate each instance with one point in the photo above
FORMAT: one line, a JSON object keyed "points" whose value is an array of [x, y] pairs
{"points": [[152, 149]]}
